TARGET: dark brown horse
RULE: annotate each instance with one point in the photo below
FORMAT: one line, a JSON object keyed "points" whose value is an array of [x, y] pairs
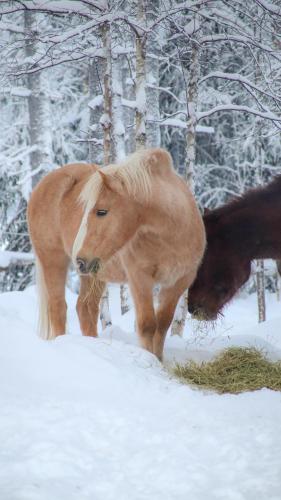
{"points": [[245, 229]]}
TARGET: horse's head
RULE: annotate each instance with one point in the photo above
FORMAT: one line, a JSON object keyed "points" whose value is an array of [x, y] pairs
{"points": [[224, 269], [114, 198], [107, 226]]}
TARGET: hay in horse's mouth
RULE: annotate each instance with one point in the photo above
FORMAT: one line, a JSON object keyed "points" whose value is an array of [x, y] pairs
{"points": [[95, 266], [200, 316], [95, 288], [234, 370]]}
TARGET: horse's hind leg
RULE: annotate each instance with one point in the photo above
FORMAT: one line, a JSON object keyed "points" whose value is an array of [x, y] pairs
{"points": [[54, 273], [168, 299], [88, 304]]}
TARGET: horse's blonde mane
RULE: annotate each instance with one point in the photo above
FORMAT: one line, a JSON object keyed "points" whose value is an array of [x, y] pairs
{"points": [[135, 173]]}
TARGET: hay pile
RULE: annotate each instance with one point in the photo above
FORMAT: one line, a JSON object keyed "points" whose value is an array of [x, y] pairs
{"points": [[235, 370]]}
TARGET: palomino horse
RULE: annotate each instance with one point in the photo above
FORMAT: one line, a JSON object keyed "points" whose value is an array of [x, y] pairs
{"points": [[135, 222], [245, 229]]}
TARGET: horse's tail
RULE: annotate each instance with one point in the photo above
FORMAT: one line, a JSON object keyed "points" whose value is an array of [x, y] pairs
{"points": [[44, 325]]}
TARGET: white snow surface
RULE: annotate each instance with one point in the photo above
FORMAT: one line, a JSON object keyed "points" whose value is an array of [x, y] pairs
{"points": [[102, 419]]}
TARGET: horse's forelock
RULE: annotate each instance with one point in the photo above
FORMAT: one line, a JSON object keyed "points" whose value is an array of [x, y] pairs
{"points": [[135, 174], [91, 191]]}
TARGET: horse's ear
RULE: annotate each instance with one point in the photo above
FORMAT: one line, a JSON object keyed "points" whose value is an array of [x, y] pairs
{"points": [[206, 211], [111, 182], [159, 160]]}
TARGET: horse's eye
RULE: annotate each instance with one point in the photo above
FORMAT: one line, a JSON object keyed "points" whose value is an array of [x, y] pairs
{"points": [[101, 213]]}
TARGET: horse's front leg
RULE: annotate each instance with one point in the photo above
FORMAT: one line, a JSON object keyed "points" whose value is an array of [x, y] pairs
{"points": [[141, 288], [168, 299]]}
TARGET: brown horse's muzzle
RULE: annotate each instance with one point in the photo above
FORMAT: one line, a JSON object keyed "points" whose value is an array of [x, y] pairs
{"points": [[88, 267], [200, 314]]}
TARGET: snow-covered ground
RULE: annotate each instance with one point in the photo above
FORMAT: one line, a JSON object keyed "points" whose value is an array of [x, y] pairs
{"points": [[101, 419]]}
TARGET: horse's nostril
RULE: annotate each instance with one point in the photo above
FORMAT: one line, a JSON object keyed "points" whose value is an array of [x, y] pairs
{"points": [[191, 308], [196, 311], [81, 264]]}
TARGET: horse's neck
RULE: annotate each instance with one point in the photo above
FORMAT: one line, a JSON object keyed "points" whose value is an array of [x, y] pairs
{"points": [[255, 233]]}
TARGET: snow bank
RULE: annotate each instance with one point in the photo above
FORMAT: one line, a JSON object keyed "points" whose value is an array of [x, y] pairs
{"points": [[101, 419]]}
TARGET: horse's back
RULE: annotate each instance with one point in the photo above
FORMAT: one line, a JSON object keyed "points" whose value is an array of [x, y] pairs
{"points": [[56, 179], [77, 170], [181, 205]]}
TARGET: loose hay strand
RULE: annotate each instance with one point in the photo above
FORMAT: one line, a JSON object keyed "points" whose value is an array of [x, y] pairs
{"points": [[96, 288], [234, 370]]}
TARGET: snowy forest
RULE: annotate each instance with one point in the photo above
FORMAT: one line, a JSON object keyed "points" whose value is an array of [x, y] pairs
{"points": [[92, 80], [101, 409]]}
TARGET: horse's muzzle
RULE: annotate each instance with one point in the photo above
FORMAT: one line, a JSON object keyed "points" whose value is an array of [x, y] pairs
{"points": [[201, 315], [86, 267]]}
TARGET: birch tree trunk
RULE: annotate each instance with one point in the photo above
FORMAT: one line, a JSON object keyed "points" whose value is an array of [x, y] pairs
{"points": [[191, 99], [38, 110], [260, 290], [141, 79], [106, 122], [260, 263], [128, 87], [118, 129], [258, 174], [277, 280], [124, 298], [180, 316], [152, 72], [104, 311], [106, 119], [118, 136], [96, 72]]}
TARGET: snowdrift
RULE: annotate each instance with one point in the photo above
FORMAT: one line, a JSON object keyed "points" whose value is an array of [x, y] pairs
{"points": [[101, 419]]}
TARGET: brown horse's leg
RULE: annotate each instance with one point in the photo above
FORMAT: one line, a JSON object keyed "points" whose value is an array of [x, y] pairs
{"points": [[168, 299], [54, 272], [88, 305], [141, 289]]}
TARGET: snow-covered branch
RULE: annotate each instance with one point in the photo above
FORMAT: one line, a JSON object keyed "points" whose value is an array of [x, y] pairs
{"points": [[248, 41], [235, 107], [8, 259], [236, 77], [269, 7]]}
